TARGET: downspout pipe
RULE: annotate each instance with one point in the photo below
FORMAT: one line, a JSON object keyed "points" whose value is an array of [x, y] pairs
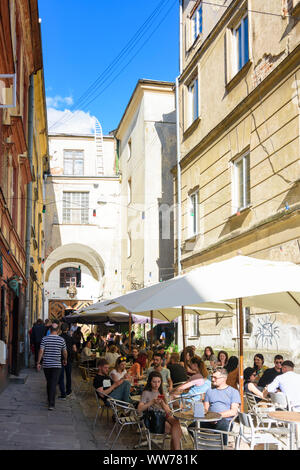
{"points": [[178, 146], [28, 218]]}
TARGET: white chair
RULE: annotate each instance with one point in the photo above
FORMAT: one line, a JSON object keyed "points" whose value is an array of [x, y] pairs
{"points": [[254, 435]]}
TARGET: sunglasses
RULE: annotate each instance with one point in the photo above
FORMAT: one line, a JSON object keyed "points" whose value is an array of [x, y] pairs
{"points": [[123, 358]]}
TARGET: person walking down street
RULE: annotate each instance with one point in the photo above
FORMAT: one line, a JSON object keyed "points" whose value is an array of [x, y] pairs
{"points": [[51, 350], [67, 369], [37, 333]]}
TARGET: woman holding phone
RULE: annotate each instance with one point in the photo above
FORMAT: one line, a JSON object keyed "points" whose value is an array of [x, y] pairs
{"points": [[153, 398]]}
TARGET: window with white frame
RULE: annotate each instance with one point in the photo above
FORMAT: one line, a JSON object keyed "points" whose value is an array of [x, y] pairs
{"points": [[75, 208], [241, 40], [246, 322], [197, 23], [73, 162], [241, 182], [193, 213], [193, 101], [194, 325]]}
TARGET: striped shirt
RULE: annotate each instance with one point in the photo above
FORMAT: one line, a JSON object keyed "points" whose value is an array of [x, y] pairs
{"points": [[53, 345]]}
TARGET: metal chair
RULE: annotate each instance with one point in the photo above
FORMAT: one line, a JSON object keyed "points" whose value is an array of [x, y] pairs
{"points": [[100, 407], [255, 435], [207, 439], [125, 415]]}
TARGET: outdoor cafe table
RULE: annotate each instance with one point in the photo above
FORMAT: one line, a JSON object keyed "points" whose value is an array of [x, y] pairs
{"points": [[290, 417], [188, 415]]}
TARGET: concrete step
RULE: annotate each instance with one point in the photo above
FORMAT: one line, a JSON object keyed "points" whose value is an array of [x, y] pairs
{"points": [[18, 379]]}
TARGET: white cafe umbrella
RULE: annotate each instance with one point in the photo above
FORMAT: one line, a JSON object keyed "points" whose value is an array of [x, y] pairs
{"points": [[271, 285]]}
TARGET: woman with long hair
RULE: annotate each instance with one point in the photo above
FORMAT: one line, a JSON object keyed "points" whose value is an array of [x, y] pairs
{"points": [[259, 366], [249, 383], [209, 355], [222, 359], [197, 384], [187, 354], [232, 368], [119, 372], [153, 398]]}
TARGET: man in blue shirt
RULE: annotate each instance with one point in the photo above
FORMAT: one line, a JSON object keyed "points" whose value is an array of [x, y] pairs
{"points": [[221, 399]]}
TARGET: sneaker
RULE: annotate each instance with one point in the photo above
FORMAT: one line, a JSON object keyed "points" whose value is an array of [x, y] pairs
{"points": [[69, 394], [62, 397], [51, 408]]}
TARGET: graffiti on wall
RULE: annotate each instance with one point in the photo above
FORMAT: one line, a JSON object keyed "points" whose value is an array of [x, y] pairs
{"points": [[267, 332]]}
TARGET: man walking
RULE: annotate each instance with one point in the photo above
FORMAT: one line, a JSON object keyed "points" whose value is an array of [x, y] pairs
{"points": [[37, 333], [67, 369], [51, 350]]}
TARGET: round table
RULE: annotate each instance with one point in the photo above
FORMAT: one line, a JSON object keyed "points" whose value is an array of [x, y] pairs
{"points": [[209, 417], [290, 417]]}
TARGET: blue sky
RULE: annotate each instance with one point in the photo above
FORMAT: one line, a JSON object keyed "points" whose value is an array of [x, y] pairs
{"points": [[82, 39]]}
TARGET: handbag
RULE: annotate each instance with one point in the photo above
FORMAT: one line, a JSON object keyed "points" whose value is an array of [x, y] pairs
{"points": [[155, 420]]}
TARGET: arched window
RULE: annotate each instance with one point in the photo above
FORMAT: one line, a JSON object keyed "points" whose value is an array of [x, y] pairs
{"points": [[70, 277]]}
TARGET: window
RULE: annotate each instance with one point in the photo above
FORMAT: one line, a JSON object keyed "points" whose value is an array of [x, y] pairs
{"points": [[241, 37], [129, 191], [197, 23], [194, 325], [70, 277], [73, 162], [129, 148], [128, 245], [193, 214], [241, 183], [246, 321], [193, 101], [75, 208]]}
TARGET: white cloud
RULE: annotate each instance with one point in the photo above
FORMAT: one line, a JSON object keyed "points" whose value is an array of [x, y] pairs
{"points": [[64, 122], [58, 101]]}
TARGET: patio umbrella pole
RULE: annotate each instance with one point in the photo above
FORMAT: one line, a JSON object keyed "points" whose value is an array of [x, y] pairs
{"points": [[130, 327], [151, 331], [241, 358]]}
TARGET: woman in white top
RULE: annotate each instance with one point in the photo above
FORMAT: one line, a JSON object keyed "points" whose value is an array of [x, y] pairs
{"points": [[87, 356], [119, 372]]}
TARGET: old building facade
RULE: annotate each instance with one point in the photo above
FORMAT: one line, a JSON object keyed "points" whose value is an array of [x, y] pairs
{"points": [[82, 239], [239, 151], [22, 163], [146, 140]]}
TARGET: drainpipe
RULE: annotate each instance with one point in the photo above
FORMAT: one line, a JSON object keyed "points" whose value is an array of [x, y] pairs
{"points": [[28, 219], [178, 147]]}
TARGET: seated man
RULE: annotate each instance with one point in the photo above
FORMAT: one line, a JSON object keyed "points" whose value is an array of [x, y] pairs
{"points": [[178, 372], [165, 373], [270, 374], [289, 383], [104, 384], [221, 399]]}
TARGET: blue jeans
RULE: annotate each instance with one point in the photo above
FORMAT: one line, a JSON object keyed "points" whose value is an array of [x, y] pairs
{"points": [[61, 382], [122, 392]]}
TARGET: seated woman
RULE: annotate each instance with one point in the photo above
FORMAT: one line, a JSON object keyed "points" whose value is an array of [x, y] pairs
{"points": [[87, 357], [197, 384], [112, 355], [232, 368], [209, 356], [187, 354], [259, 366], [249, 383], [152, 399], [222, 359], [135, 370], [119, 372]]}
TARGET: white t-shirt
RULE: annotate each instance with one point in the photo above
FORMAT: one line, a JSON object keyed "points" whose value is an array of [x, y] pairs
{"points": [[288, 383], [117, 375]]}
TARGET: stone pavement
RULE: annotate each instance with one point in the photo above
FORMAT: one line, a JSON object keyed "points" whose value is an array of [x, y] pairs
{"points": [[27, 424]]}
